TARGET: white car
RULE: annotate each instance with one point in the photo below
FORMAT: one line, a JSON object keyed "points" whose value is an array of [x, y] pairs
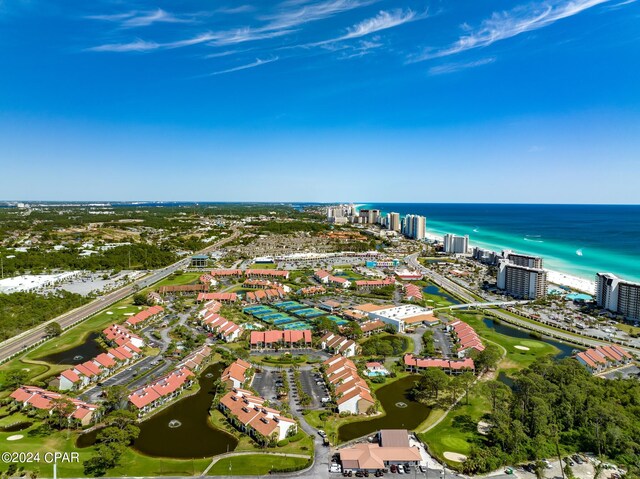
{"points": [[335, 467], [322, 433], [400, 469]]}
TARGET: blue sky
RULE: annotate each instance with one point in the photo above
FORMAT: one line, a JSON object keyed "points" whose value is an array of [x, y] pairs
{"points": [[321, 100]]}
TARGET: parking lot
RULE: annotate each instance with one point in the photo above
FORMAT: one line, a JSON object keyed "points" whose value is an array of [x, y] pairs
{"points": [[266, 383], [626, 372], [442, 341], [309, 382]]}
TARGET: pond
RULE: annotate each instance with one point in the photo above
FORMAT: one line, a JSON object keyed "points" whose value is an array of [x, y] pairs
{"points": [[18, 426], [181, 431], [566, 350], [89, 349], [437, 291], [402, 412]]}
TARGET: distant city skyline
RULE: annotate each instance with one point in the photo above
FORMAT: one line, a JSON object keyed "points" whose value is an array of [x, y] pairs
{"points": [[313, 100]]}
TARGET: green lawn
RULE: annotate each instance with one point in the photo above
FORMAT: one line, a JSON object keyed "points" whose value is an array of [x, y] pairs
{"points": [[459, 429], [177, 279], [263, 266], [515, 358], [39, 370], [254, 464]]}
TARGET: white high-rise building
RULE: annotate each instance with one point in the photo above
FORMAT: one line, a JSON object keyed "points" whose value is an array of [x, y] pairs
{"points": [[454, 244], [393, 221], [414, 226], [521, 281], [522, 259], [617, 295]]}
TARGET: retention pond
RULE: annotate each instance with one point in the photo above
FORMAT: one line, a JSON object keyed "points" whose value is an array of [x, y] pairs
{"points": [[401, 411]]}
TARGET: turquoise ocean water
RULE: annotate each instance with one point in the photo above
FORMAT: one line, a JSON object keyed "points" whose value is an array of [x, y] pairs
{"points": [[576, 239]]}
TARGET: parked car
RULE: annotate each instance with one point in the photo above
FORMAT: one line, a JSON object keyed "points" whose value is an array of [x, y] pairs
{"points": [[393, 468], [400, 469]]}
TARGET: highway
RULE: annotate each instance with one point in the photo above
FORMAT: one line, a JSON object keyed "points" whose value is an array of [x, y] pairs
{"points": [[571, 338], [25, 340]]}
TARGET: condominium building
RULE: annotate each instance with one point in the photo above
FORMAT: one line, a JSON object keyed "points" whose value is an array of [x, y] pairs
{"points": [[393, 221], [617, 295], [521, 281], [414, 226], [485, 256], [522, 259], [454, 244]]}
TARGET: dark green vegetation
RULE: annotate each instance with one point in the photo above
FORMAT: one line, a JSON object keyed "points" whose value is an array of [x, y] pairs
{"points": [[134, 256], [288, 227], [559, 407], [20, 311], [385, 346]]}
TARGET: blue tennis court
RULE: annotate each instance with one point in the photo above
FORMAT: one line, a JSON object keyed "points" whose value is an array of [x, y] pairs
{"points": [[289, 305], [309, 313], [298, 325], [336, 319]]}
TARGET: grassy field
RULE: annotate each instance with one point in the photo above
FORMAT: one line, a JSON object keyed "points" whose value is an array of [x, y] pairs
{"points": [[458, 430], [263, 266], [177, 279], [39, 369], [254, 464], [515, 358]]}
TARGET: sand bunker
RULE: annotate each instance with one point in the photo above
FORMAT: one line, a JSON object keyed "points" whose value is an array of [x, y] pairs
{"points": [[454, 456], [15, 437], [131, 314], [522, 348], [109, 312]]}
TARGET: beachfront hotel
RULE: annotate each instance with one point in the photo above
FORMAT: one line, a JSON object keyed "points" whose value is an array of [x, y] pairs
{"points": [[393, 221], [523, 259], [617, 295], [414, 227], [521, 281], [454, 244]]}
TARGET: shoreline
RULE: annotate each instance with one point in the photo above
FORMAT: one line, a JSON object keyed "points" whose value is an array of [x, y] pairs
{"points": [[554, 277]]}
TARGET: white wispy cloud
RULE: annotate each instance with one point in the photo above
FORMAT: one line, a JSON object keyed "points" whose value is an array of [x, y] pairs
{"points": [[257, 63], [384, 20], [137, 45], [288, 18], [137, 18], [508, 24], [456, 67], [361, 48], [246, 34]]}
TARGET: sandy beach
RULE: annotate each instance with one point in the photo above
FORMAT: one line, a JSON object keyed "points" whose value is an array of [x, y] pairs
{"points": [[555, 277], [573, 282]]}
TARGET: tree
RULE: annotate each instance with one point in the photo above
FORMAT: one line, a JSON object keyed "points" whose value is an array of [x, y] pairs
{"points": [[538, 469], [488, 358], [325, 324], [139, 299], [352, 330], [466, 380], [61, 410], [433, 381], [115, 397], [15, 378], [53, 329]]}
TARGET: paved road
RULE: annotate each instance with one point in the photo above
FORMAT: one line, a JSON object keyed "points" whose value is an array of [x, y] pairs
{"points": [[537, 327], [29, 338]]}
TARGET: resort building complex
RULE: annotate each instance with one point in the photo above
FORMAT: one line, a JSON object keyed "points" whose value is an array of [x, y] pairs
{"points": [[617, 295]]}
